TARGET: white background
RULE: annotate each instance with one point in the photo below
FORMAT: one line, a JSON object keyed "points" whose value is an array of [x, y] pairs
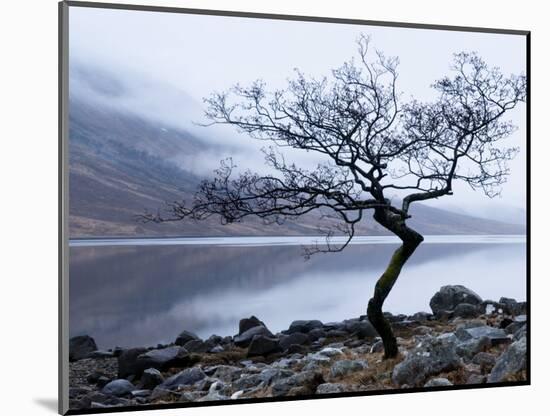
{"points": [[28, 208]]}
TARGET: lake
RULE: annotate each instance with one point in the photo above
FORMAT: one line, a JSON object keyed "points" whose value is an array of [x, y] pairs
{"points": [[140, 292]]}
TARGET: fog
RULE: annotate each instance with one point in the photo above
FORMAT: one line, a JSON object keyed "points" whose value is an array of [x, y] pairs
{"points": [[163, 64]]}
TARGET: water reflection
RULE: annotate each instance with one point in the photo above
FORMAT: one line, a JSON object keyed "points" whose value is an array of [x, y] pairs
{"points": [[142, 295]]}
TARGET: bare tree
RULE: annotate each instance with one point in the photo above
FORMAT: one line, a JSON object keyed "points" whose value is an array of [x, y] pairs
{"points": [[372, 145]]}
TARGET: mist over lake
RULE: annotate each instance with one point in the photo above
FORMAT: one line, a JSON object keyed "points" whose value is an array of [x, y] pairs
{"points": [[141, 295]]}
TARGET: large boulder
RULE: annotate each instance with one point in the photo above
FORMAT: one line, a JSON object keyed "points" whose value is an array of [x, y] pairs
{"points": [[304, 326], [496, 335], [449, 297], [127, 362], [296, 338], [262, 345], [510, 362], [247, 323], [120, 387], [164, 358], [361, 328], [306, 380], [431, 357], [243, 340], [81, 347], [136, 360], [467, 311], [185, 337]]}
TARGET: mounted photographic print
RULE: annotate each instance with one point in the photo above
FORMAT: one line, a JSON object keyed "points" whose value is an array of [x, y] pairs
{"points": [[263, 207]]}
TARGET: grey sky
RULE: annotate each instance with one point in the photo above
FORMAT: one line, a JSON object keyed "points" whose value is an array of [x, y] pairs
{"points": [[200, 54]]}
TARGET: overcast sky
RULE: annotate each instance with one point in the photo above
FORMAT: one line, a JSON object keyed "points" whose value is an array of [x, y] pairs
{"points": [[191, 56]]}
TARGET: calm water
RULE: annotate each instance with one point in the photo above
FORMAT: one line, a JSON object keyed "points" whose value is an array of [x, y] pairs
{"points": [[133, 292]]}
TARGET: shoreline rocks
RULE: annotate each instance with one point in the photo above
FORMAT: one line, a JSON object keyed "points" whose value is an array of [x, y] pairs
{"points": [[465, 341]]}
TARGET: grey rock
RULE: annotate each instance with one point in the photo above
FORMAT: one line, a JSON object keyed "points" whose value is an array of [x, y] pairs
{"points": [[262, 345], [328, 388], [162, 359], [151, 378], [271, 375], [248, 323], [511, 361], [363, 329], [98, 355], [127, 362], [248, 381], [227, 373], [512, 307], [316, 334], [468, 349], [431, 357], [81, 347], [307, 380], [449, 297], [186, 377], [197, 346], [120, 387], [185, 337], [438, 382], [466, 310], [141, 393], [304, 326], [342, 368], [296, 338], [421, 317], [496, 335], [244, 339]]}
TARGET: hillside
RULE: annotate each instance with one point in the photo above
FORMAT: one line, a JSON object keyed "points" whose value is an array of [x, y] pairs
{"points": [[122, 164]]}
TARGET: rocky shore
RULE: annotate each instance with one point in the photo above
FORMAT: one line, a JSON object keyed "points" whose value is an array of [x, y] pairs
{"points": [[465, 340]]}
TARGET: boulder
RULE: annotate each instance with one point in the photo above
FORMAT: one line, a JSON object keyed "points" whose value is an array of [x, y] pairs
{"points": [[430, 357], [296, 338], [304, 326], [81, 347], [127, 362], [162, 359], [197, 346], [151, 378], [185, 337], [262, 345], [510, 362], [512, 307], [449, 297], [342, 368], [243, 340], [496, 335], [362, 329], [186, 377], [438, 382], [467, 311], [120, 387], [247, 323]]}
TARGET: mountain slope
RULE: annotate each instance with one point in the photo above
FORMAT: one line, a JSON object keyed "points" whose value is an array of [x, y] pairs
{"points": [[122, 164]]}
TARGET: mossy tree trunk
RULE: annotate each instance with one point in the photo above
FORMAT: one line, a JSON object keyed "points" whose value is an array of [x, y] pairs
{"points": [[411, 240]]}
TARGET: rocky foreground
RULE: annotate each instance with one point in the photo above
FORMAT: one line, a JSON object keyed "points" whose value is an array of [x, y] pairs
{"points": [[465, 340]]}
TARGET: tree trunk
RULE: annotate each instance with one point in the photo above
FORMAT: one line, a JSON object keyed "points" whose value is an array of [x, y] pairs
{"points": [[411, 240]]}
